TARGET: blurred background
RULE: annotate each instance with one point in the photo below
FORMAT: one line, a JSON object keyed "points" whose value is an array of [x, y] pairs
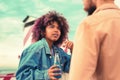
{"points": [[12, 14]]}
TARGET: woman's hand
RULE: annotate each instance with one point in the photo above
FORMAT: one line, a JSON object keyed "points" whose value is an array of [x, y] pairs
{"points": [[69, 45], [52, 70]]}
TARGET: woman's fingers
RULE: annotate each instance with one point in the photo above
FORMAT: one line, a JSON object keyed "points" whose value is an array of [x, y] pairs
{"points": [[54, 71], [69, 44]]}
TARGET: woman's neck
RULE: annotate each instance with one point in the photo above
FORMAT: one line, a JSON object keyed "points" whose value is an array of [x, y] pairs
{"points": [[50, 43]]}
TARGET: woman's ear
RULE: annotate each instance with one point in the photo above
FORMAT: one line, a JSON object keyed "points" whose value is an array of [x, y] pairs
{"points": [[43, 34]]}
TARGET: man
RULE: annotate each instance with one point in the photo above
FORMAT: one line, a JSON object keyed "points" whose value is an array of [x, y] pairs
{"points": [[89, 7], [96, 53]]}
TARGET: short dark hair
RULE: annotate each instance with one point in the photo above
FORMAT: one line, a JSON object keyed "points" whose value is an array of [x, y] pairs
{"points": [[45, 20]]}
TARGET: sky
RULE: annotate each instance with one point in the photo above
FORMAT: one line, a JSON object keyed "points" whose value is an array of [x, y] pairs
{"points": [[12, 14]]}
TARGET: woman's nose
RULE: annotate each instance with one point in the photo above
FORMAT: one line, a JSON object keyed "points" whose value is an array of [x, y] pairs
{"points": [[56, 29]]}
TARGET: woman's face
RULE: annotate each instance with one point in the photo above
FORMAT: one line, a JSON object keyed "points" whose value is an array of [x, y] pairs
{"points": [[52, 32]]}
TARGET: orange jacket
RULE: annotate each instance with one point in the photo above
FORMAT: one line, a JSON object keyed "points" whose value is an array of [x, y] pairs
{"points": [[96, 52]]}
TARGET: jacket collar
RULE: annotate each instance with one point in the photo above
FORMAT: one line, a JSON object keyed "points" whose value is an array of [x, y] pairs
{"points": [[106, 6], [45, 44]]}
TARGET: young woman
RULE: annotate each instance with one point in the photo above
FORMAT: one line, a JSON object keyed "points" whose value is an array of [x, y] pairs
{"points": [[37, 61]]}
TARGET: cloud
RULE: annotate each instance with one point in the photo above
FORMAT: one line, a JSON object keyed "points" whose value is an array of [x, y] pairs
{"points": [[77, 1], [10, 25], [3, 7], [67, 1], [9, 54], [58, 1], [11, 29], [39, 7], [10, 41], [117, 2]]}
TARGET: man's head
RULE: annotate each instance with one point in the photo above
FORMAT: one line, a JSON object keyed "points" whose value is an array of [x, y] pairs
{"points": [[89, 6]]}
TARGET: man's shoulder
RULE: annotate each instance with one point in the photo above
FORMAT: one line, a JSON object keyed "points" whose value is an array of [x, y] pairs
{"points": [[102, 16]]}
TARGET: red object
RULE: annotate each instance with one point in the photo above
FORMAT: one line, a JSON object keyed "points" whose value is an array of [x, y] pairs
{"points": [[66, 49], [27, 35], [7, 76]]}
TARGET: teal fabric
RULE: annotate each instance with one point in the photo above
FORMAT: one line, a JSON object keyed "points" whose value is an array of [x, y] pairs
{"points": [[36, 60]]}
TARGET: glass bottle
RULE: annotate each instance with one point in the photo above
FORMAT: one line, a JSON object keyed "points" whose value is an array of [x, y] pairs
{"points": [[57, 62]]}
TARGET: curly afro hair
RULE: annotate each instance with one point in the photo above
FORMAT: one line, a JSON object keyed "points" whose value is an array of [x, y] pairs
{"points": [[47, 19]]}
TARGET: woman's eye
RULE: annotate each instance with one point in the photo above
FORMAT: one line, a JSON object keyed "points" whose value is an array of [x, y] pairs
{"points": [[59, 28], [51, 26]]}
